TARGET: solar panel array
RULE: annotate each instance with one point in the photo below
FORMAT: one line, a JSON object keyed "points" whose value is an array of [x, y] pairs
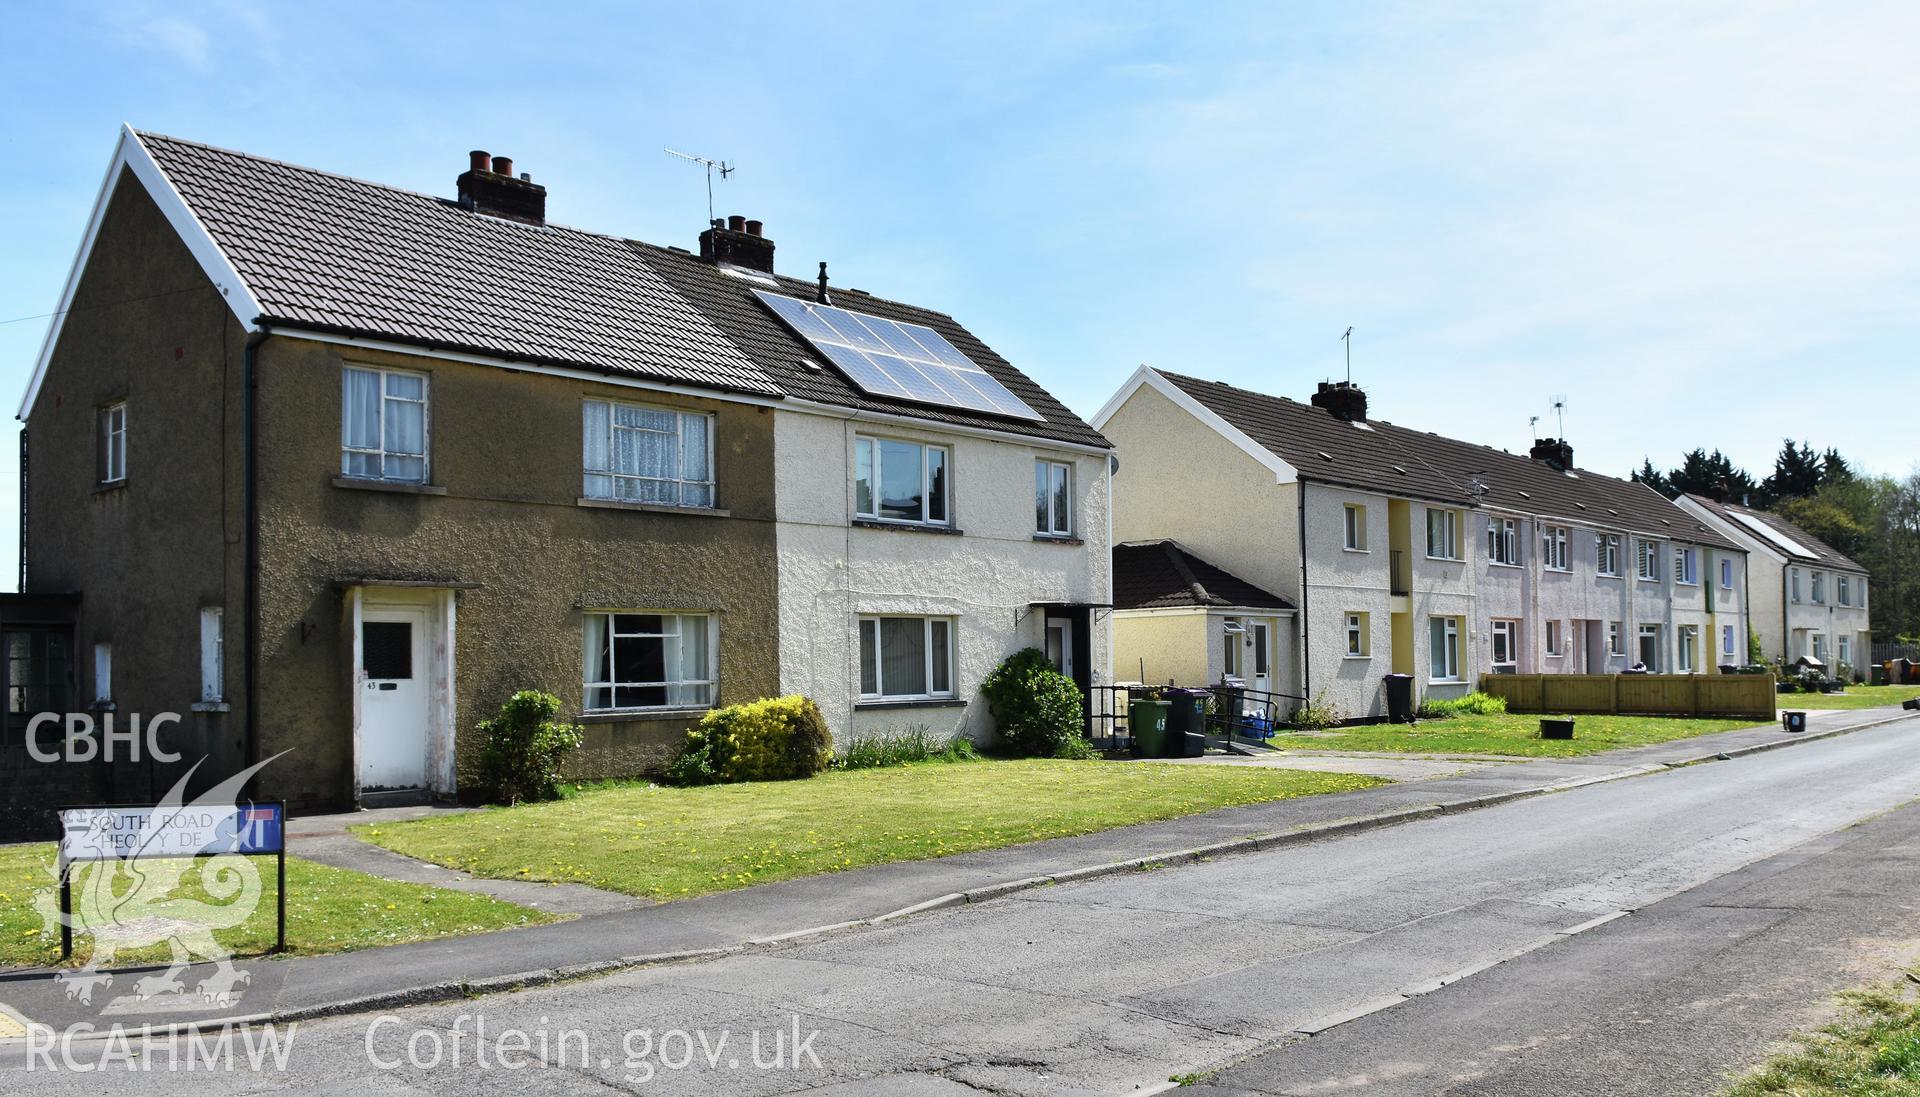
{"points": [[1780, 540], [890, 358]]}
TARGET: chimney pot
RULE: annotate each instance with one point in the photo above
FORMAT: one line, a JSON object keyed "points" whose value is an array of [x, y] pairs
{"points": [[737, 223], [753, 228], [477, 160], [503, 165]]}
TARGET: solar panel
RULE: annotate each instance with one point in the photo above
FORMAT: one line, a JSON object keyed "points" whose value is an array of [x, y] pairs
{"points": [[895, 359], [1780, 540]]}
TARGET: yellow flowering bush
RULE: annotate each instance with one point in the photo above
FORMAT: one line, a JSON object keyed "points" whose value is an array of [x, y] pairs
{"points": [[773, 739]]}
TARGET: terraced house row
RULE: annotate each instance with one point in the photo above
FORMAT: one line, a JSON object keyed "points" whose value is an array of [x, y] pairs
{"points": [[337, 467], [1356, 549]]}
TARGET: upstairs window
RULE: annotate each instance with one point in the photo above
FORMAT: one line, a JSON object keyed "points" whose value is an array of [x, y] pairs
{"points": [[1793, 576], [895, 481], [1053, 498], [112, 458], [1686, 566], [1841, 590], [1356, 528], [383, 425], [1443, 534], [1726, 574], [1503, 541], [1607, 547], [647, 455], [1553, 545], [1820, 588], [1649, 560]]}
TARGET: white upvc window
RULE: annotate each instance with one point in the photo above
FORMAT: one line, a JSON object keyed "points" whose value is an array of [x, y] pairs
{"points": [[1819, 588], [1506, 643], [212, 655], [1726, 573], [906, 658], [103, 673], [1443, 534], [1648, 559], [1689, 636], [383, 425], [1503, 541], [1616, 643], [1728, 642], [1860, 594], [1819, 643], [1356, 527], [1358, 642], [636, 454], [1793, 574], [113, 443], [1445, 648], [1553, 547], [1842, 590], [1607, 553], [1053, 498], [1845, 646], [638, 660], [1686, 566], [900, 481], [1555, 638]]}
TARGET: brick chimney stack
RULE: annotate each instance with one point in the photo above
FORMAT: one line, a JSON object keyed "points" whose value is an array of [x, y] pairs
{"points": [[488, 186], [1344, 399], [739, 242]]}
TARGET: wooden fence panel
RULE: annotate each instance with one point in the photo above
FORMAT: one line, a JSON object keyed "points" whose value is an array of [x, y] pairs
{"points": [[1750, 695]]}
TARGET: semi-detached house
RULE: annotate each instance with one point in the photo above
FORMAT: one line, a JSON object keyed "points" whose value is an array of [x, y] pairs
{"points": [[334, 468], [1401, 551], [1809, 601]]}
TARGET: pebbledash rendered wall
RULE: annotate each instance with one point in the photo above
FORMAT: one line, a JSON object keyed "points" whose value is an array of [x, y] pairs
{"points": [[987, 577]]}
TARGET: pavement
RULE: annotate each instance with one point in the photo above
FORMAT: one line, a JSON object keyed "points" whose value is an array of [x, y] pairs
{"points": [[768, 918], [1115, 982]]}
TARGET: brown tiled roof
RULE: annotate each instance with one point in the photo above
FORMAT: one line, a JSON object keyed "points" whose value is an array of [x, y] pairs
{"points": [[1820, 552], [729, 301], [1380, 457], [1164, 575], [330, 253]]}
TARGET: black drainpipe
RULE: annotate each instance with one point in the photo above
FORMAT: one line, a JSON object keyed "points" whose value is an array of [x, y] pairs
{"points": [[250, 494], [1306, 623]]}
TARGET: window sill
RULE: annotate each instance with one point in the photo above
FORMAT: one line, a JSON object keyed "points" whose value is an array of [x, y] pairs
{"points": [[1556, 571], [1446, 559], [913, 702], [110, 486], [102, 706], [1350, 548], [402, 487], [629, 715], [212, 706], [1607, 575], [651, 508], [1502, 564], [1362, 655], [1446, 681], [905, 527], [1057, 539]]}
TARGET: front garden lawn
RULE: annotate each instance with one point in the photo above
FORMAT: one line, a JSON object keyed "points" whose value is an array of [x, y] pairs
{"points": [[673, 843], [1510, 733], [328, 910], [1854, 697]]}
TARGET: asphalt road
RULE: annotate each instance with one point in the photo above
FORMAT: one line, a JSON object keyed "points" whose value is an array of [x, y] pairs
{"points": [[1112, 985]]}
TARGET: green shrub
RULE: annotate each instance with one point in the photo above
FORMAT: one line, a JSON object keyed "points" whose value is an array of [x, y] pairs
{"points": [[524, 746], [773, 739], [1473, 704], [898, 748], [1038, 709], [1317, 714]]}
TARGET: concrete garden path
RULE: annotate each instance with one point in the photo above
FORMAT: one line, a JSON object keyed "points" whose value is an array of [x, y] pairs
{"points": [[776, 916]]}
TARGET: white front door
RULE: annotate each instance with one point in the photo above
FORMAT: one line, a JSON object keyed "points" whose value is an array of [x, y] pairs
{"points": [[393, 698], [1060, 646]]}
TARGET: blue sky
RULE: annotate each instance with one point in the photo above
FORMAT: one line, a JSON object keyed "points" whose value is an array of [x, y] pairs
{"points": [[1695, 224]]}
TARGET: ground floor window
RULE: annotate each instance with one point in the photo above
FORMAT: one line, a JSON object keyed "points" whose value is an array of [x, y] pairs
{"points": [[1726, 640], [1555, 640], [1846, 650], [1616, 644], [1650, 648], [1689, 636], [906, 658], [1445, 648], [649, 660], [1356, 635], [1506, 644], [39, 675]]}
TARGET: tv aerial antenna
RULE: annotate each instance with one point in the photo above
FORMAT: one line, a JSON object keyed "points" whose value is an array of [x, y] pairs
{"points": [[1346, 338], [725, 169], [1560, 416]]}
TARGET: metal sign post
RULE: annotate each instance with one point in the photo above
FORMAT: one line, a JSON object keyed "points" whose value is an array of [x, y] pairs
{"points": [[127, 832]]}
